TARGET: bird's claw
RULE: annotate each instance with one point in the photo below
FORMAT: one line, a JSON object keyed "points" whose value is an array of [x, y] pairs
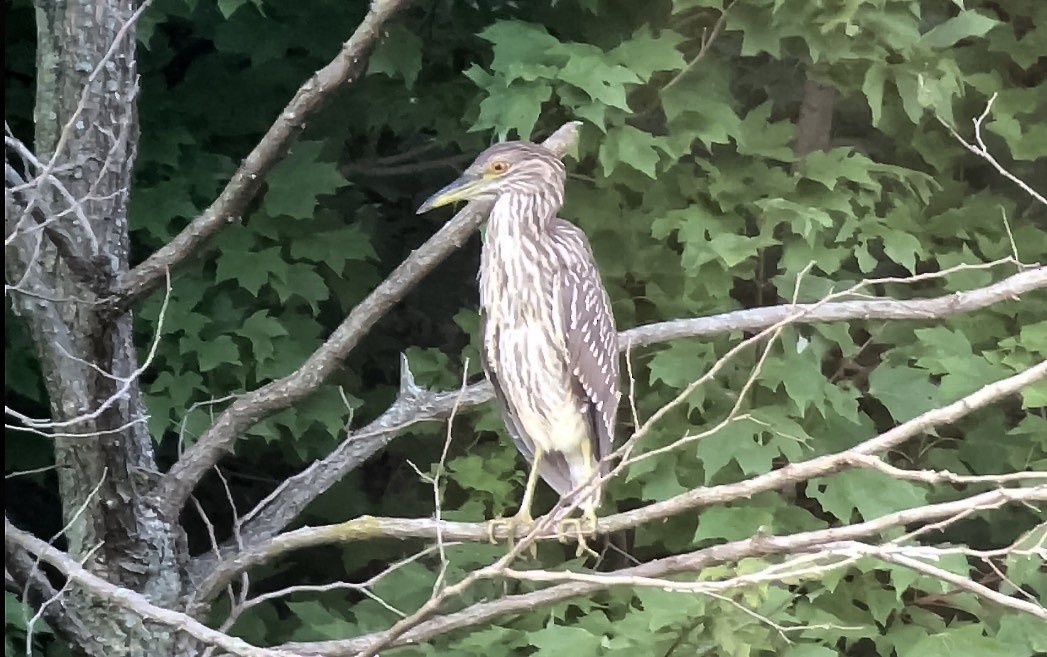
{"points": [[584, 526], [510, 524]]}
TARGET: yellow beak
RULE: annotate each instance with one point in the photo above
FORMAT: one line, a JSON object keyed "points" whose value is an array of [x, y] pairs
{"points": [[463, 189]]}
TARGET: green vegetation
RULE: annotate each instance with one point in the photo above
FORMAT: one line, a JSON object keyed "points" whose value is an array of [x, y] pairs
{"points": [[698, 201]]}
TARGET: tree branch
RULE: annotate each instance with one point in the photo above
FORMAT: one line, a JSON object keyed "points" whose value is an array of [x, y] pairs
{"points": [[34, 589], [414, 405], [959, 581], [690, 562], [982, 151], [757, 318], [129, 599], [368, 527], [176, 485], [346, 67]]}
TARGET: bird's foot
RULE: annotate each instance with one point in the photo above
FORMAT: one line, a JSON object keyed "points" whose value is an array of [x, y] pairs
{"points": [[582, 527], [510, 525]]}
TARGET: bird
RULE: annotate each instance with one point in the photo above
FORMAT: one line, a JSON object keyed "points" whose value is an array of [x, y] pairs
{"points": [[549, 341]]}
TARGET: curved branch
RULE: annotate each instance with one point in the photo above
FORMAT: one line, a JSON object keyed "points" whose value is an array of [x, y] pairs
{"points": [[131, 600], [813, 313], [691, 562], [368, 527], [248, 409], [31, 585], [348, 65]]}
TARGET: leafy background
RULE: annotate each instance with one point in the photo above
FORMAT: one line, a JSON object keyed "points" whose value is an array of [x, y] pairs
{"points": [[686, 170]]}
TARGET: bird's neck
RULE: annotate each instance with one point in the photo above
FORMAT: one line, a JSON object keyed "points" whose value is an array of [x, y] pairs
{"points": [[524, 215]]}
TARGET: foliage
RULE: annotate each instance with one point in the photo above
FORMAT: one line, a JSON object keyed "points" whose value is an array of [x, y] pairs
{"points": [[686, 166]]}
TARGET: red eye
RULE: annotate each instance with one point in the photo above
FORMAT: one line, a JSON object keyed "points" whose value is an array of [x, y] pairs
{"points": [[499, 167]]}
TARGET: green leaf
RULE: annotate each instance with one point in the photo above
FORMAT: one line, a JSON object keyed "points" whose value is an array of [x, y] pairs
{"points": [[902, 248], [603, 83], [738, 441], [627, 145], [809, 650], [872, 87], [668, 608], [212, 353], [757, 135], [684, 5], [905, 391], [516, 42], [869, 492], [1023, 632], [645, 54], [516, 108], [260, 329], [966, 24], [229, 7], [758, 33], [334, 247], [318, 622], [734, 523], [967, 640], [661, 484], [556, 640], [295, 183], [250, 269], [302, 280], [398, 55]]}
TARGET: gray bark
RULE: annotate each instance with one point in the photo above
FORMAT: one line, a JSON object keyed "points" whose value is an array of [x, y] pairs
{"points": [[814, 125], [66, 271]]}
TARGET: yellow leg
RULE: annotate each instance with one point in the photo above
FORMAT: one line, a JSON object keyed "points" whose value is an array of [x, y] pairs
{"points": [[523, 515], [532, 482]]}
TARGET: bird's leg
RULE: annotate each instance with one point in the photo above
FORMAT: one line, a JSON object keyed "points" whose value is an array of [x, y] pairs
{"points": [[587, 523], [532, 482], [523, 515]]}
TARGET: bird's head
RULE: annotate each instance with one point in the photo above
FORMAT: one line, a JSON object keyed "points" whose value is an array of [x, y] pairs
{"points": [[513, 166]]}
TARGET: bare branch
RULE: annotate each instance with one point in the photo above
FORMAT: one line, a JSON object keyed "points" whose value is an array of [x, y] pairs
{"points": [[176, 485], [131, 600], [684, 563], [982, 151], [126, 383], [346, 67], [414, 404], [368, 527], [919, 309], [899, 557]]}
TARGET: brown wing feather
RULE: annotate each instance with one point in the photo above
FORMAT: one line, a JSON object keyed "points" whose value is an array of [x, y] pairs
{"points": [[591, 337]]}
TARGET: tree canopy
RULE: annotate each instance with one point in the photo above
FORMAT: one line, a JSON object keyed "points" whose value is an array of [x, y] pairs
{"points": [[733, 158]]}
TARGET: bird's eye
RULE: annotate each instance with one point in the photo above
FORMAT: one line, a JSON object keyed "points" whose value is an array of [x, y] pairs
{"points": [[499, 167]]}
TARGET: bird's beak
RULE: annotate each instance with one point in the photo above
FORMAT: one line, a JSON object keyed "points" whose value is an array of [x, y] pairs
{"points": [[463, 189]]}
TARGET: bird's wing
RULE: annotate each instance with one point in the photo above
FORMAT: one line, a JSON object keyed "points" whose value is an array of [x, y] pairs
{"points": [[590, 334]]}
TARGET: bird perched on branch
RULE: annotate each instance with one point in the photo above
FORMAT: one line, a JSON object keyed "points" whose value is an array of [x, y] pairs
{"points": [[550, 347]]}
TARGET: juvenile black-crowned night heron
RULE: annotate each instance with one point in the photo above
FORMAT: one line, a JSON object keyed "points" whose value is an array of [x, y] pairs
{"points": [[550, 348]]}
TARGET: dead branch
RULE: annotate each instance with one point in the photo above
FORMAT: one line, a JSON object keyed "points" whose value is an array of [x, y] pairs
{"points": [[919, 309], [982, 151], [684, 563], [346, 67], [368, 527]]}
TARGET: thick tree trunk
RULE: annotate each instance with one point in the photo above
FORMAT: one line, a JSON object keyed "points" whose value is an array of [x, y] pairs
{"points": [[815, 123], [87, 353]]}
